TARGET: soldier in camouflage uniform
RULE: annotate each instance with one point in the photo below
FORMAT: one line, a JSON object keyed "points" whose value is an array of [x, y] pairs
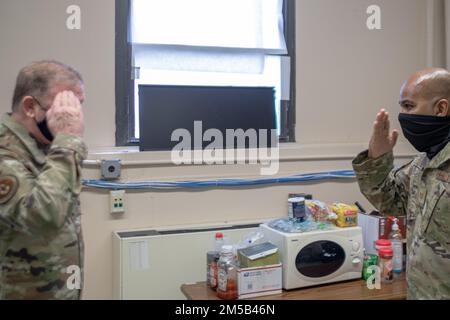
{"points": [[420, 189], [41, 245]]}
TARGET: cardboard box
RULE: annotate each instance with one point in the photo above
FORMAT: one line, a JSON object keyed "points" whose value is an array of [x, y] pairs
{"points": [[375, 226], [259, 281]]}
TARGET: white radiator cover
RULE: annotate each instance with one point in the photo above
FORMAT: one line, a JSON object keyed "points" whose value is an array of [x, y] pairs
{"points": [[153, 264]]}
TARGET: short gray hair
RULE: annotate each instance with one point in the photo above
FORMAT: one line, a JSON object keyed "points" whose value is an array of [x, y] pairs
{"points": [[39, 77]]}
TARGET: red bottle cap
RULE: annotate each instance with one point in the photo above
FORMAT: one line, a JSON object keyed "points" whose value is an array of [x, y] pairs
{"points": [[383, 243], [386, 253], [219, 235]]}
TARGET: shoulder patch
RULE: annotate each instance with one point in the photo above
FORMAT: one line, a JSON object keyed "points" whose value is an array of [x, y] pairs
{"points": [[8, 188]]}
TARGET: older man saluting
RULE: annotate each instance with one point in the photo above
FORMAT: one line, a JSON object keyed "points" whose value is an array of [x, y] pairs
{"points": [[41, 151], [419, 189]]}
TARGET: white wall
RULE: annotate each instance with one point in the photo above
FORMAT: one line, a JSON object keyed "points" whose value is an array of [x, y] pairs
{"points": [[35, 30], [345, 74]]}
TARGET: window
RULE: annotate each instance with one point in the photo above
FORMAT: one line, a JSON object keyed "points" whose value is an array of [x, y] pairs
{"points": [[192, 42]]}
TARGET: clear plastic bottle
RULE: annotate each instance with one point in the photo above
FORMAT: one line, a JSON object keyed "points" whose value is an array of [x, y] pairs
{"points": [[212, 260], [218, 242], [385, 265], [227, 280], [397, 246]]}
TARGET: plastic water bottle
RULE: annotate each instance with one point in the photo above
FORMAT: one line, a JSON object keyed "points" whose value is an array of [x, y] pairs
{"points": [[397, 246], [218, 242]]}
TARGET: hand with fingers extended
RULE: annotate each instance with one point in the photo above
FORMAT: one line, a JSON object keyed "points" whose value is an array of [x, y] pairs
{"points": [[66, 115], [382, 141]]}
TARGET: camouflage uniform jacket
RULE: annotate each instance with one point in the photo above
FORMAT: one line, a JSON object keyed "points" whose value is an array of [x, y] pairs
{"points": [[40, 227], [420, 190]]}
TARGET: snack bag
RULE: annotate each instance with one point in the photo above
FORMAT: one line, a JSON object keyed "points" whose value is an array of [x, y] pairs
{"points": [[317, 211], [347, 215]]}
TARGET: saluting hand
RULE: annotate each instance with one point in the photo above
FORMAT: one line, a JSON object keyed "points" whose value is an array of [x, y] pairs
{"points": [[66, 115], [382, 140]]}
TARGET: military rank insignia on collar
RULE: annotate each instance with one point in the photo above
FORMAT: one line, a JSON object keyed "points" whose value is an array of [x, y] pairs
{"points": [[443, 176], [8, 188]]}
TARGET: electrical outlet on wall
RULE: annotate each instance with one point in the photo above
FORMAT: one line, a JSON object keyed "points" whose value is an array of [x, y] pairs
{"points": [[117, 201]]}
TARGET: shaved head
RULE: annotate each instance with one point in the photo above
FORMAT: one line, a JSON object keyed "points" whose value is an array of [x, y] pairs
{"points": [[432, 83], [426, 92]]}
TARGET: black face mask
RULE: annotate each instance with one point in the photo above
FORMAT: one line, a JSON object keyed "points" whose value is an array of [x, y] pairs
{"points": [[42, 125], [428, 134]]}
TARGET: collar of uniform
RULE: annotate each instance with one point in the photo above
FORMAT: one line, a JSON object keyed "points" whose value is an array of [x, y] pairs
{"points": [[23, 135], [442, 157]]}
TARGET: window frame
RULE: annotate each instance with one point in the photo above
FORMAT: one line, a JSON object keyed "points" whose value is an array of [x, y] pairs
{"points": [[124, 75]]}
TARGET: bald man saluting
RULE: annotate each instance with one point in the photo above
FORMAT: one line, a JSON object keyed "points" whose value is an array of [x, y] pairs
{"points": [[419, 189]]}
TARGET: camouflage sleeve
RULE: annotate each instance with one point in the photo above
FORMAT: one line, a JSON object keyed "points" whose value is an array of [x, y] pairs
{"points": [[385, 187], [33, 204]]}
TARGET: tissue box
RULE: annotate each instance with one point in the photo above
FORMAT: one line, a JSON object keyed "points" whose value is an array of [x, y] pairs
{"points": [[259, 281]]}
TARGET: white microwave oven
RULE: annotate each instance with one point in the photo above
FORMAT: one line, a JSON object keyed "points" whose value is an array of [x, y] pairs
{"points": [[318, 257]]}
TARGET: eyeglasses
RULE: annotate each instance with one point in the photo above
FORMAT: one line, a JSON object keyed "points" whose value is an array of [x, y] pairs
{"points": [[40, 104]]}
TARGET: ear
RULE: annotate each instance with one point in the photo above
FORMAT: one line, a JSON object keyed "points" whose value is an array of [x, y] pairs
{"points": [[442, 108], [28, 106]]}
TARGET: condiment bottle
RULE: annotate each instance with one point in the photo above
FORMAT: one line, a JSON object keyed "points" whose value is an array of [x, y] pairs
{"points": [[212, 259], [385, 264], [227, 281], [382, 244]]}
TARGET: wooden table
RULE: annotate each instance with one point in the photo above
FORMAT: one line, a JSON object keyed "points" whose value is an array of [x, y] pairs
{"points": [[348, 290]]}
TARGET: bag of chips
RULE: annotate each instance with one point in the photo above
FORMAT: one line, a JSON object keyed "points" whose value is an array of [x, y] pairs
{"points": [[347, 215], [317, 211]]}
